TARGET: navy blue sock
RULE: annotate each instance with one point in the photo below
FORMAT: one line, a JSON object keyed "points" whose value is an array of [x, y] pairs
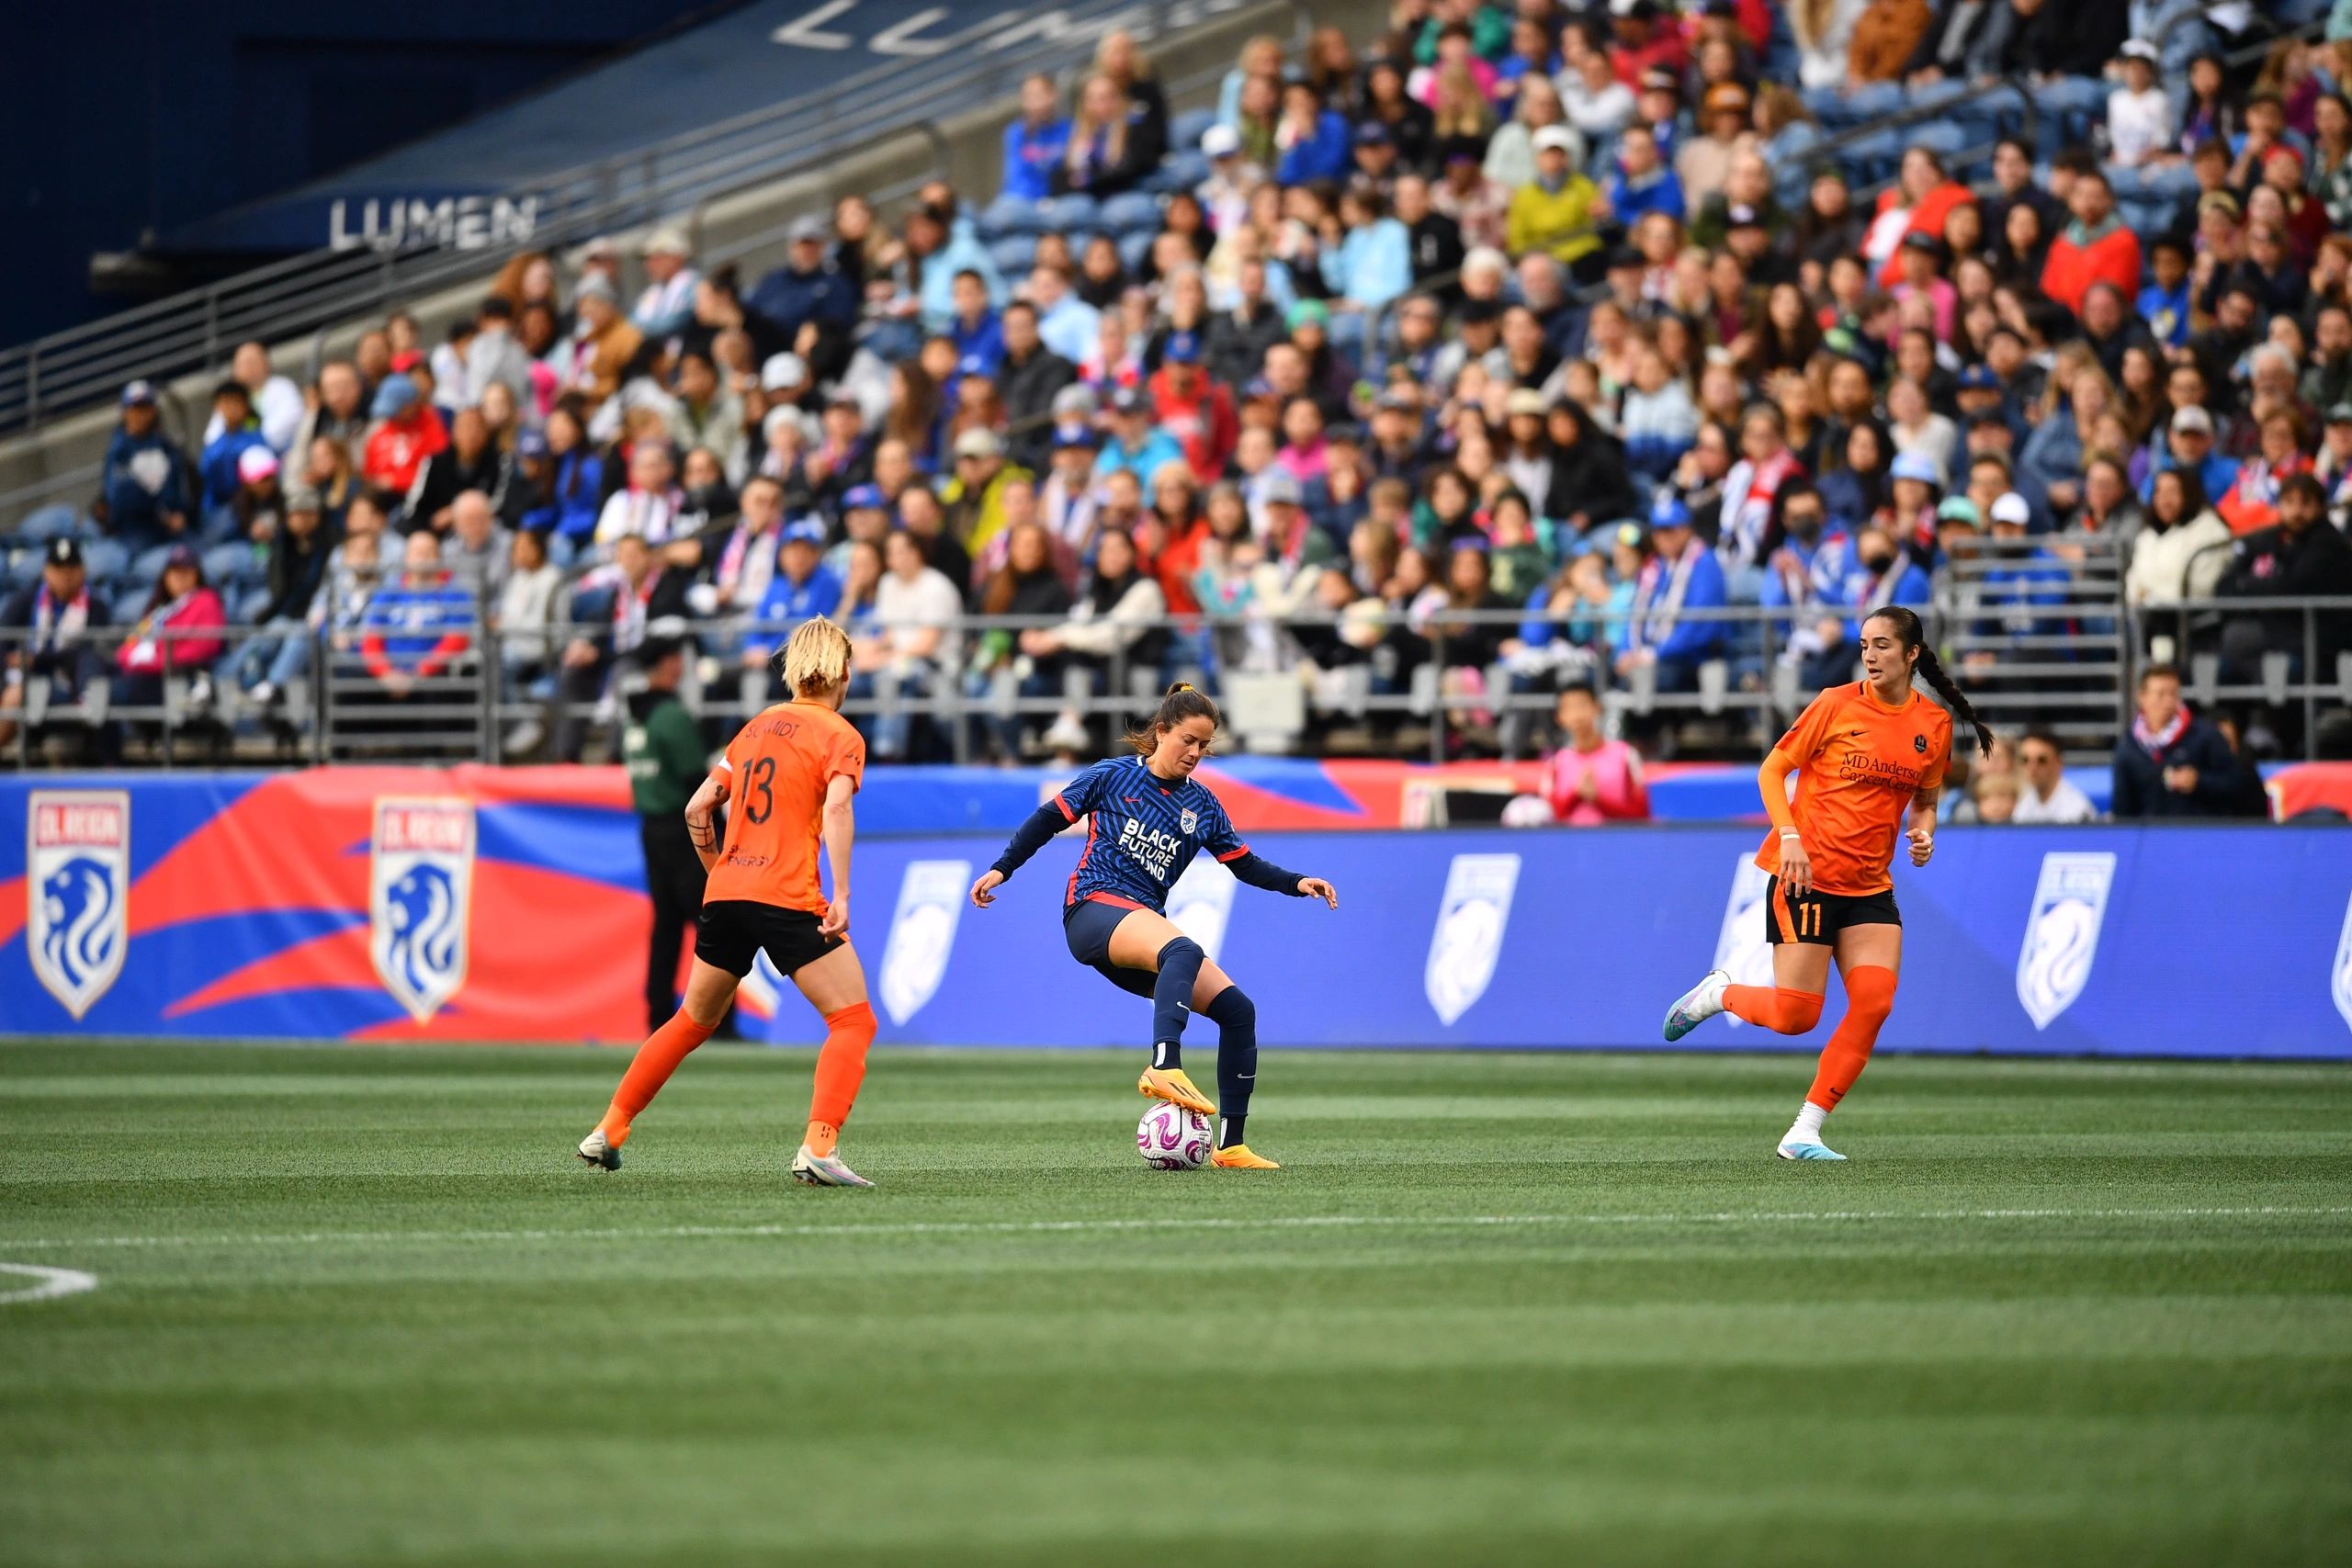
{"points": [[1236, 1017], [1171, 999]]}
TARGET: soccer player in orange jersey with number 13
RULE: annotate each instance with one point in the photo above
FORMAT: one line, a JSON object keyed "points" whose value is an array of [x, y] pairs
{"points": [[1863, 754], [788, 776]]}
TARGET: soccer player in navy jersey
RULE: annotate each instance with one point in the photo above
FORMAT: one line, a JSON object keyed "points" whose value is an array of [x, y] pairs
{"points": [[1147, 816]]}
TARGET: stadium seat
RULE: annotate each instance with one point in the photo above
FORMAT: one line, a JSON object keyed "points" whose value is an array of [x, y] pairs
{"points": [[1134, 248], [1940, 136], [1012, 215], [1070, 215], [105, 558], [1013, 253], [232, 564], [1184, 132], [1130, 211], [54, 521]]}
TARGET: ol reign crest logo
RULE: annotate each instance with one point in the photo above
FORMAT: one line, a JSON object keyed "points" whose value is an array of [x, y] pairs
{"points": [[1469, 937], [78, 883], [2343, 987], [1741, 950], [420, 876], [923, 934], [1200, 902], [1187, 820], [2061, 933]]}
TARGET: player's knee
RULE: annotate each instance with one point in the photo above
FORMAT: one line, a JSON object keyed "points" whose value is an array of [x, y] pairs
{"points": [[1182, 951], [853, 1024], [1798, 1010], [1870, 994], [1232, 1010]]}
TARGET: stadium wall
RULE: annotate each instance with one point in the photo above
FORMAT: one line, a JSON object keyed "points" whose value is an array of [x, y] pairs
{"points": [[478, 904]]}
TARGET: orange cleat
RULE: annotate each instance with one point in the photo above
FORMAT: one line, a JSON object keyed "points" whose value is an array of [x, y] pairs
{"points": [[1239, 1157], [1170, 1084]]}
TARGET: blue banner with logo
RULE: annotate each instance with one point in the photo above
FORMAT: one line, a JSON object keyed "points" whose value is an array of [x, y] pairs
{"points": [[487, 903]]}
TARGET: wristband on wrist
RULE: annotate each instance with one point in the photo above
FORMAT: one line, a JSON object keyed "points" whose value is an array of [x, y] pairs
{"points": [[1788, 833]]}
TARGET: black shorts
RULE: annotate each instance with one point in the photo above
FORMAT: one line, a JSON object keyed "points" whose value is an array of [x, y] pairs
{"points": [[1087, 926], [1816, 920], [733, 931]]}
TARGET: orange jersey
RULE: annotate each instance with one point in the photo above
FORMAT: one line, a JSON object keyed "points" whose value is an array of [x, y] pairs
{"points": [[774, 774], [1858, 763]]}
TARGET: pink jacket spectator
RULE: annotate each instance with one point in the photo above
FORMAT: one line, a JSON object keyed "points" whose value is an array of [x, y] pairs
{"points": [[1618, 794], [145, 652]]}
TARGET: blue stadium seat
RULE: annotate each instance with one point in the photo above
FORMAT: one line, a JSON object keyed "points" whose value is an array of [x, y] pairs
{"points": [[1070, 214], [1133, 249], [1131, 211], [1011, 215], [1183, 170], [232, 563], [105, 558], [1940, 136], [1184, 132], [148, 565], [1013, 254], [54, 521]]}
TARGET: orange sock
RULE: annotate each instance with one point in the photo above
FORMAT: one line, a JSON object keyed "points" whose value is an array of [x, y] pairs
{"points": [[655, 1061], [840, 1067], [1870, 996], [1776, 1007]]}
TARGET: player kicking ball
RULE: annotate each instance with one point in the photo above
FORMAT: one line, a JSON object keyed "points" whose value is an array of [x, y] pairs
{"points": [[1147, 818], [1862, 755], [789, 778]]}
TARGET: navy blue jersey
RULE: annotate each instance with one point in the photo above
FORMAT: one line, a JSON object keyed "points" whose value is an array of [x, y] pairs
{"points": [[1141, 833]]}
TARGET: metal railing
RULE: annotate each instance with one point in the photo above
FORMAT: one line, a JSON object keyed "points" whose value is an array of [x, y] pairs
{"points": [[187, 332]]}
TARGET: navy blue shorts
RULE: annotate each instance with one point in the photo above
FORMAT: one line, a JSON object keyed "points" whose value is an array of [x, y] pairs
{"points": [[1087, 926]]}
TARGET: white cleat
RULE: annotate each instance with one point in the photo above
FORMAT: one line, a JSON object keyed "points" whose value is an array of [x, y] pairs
{"points": [[597, 1152], [824, 1171], [1697, 1005]]}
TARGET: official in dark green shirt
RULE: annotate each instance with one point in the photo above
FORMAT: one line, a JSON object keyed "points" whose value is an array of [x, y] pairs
{"points": [[662, 747]]}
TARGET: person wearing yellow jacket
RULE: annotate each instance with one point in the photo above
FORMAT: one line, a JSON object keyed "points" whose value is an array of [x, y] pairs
{"points": [[1560, 210]]}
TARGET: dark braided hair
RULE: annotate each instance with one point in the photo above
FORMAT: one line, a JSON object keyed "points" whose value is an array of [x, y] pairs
{"points": [[1913, 637], [1183, 701]]}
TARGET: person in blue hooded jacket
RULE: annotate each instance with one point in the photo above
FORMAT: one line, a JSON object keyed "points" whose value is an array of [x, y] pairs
{"points": [[1683, 575], [1315, 143], [147, 484]]}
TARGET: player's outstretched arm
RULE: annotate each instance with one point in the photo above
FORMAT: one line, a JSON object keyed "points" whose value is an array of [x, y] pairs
{"points": [[702, 821], [1258, 872], [839, 829], [1029, 837]]}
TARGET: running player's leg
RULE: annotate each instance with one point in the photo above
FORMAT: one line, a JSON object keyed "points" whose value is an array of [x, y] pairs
{"points": [[1227, 1005], [710, 989], [1867, 957], [1149, 941], [1791, 1004], [835, 986]]}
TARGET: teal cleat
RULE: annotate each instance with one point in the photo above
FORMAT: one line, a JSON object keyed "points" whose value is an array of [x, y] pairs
{"points": [[1697, 1005], [599, 1153], [1807, 1151]]}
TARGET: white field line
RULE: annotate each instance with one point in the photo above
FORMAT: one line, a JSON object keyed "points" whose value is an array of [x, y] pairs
{"points": [[51, 1282], [1055, 1227]]}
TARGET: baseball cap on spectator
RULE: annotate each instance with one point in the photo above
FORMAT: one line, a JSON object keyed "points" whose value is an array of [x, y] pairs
{"points": [[1182, 348], [62, 551], [1726, 98], [181, 555], [1129, 400], [595, 286], [2340, 415], [1400, 400], [1220, 141], [1308, 313], [2217, 202], [2192, 421], [1920, 240], [394, 398], [1077, 402], [862, 498], [978, 444], [530, 441], [804, 531], [1523, 399], [1988, 419], [807, 226], [1661, 79], [1082, 436], [1372, 133], [781, 370], [1959, 509], [1742, 216], [1916, 466], [255, 464], [1667, 512], [138, 392], [973, 365], [1631, 8], [665, 242], [1477, 312], [2137, 48], [1622, 258], [2010, 508], [601, 247], [407, 360], [1979, 379], [1279, 487], [1555, 139]]}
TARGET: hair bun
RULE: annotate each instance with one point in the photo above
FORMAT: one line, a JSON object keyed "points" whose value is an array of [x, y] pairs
{"points": [[1179, 686]]}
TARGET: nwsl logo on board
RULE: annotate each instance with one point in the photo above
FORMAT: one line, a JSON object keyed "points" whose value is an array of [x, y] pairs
{"points": [[421, 877], [923, 934], [77, 881]]}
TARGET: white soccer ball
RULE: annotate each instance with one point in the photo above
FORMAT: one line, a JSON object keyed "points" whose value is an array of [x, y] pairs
{"points": [[1172, 1138]]}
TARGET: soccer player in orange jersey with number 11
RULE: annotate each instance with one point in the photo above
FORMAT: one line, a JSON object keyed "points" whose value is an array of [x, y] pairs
{"points": [[789, 777], [1863, 754]]}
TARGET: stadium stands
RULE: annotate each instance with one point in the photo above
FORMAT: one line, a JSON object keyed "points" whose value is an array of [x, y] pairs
{"points": [[1414, 376]]}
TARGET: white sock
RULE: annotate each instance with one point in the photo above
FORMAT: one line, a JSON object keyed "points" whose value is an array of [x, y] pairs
{"points": [[1806, 1128]]}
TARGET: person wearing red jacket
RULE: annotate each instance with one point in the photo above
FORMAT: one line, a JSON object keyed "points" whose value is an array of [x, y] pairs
{"points": [[1643, 39], [408, 433], [2095, 248], [1195, 410]]}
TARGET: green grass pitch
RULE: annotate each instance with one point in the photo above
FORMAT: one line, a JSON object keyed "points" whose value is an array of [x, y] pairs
{"points": [[360, 1306]]}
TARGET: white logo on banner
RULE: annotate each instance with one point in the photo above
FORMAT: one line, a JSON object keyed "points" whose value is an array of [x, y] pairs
{"points": [[1741, 950], [2062, 932], [419, 895], [923, 934], [1469, 937], [2344, 968], [1200, 902], [77, 885]]}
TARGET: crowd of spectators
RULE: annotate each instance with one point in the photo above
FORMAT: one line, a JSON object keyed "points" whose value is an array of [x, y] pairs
{"points": [[1484, 354]]}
